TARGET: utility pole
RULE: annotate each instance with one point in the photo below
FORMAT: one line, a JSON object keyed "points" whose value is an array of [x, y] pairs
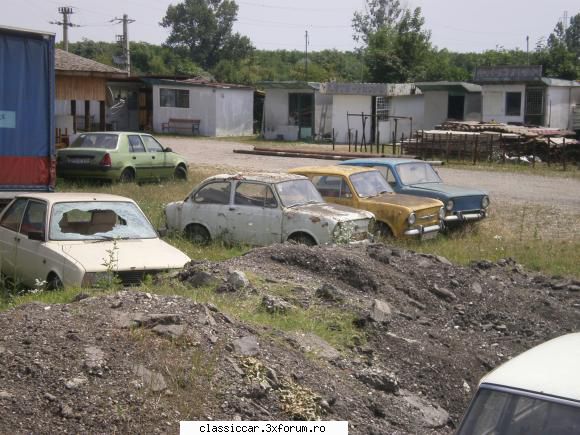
{"points": [[306, 63], [123, 40], [528, 49], [65, 23]]}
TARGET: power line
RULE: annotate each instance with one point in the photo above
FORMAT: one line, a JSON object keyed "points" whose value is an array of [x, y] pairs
{"points": [[294, 8]]}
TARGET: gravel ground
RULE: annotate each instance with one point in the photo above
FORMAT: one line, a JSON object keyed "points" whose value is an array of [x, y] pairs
{"points": [[505, 187]]}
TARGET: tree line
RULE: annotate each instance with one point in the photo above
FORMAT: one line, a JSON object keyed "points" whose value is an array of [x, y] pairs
{"points": [[395, 47]]}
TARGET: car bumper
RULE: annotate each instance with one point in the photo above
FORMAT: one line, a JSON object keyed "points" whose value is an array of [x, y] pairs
{"points": [[422, 231], [70, 171], [470, 216]]}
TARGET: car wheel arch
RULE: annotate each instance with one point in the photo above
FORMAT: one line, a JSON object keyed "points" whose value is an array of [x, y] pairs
{"points": [[189, 227], [302, 233]]}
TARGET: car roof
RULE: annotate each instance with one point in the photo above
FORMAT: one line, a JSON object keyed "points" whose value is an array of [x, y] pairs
{"points": [[334, 170], [550, 368], [54, 197], [114, 132], [382, 161], [263, 177]]}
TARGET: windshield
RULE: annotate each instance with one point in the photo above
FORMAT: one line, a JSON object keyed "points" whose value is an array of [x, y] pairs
{"points": [[417, 173], [98, 220], [104, 141], [298, 192], [369, 183], [502, 413]]}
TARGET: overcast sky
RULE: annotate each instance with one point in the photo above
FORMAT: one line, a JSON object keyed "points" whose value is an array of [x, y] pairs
{"points": [[459, 25]]}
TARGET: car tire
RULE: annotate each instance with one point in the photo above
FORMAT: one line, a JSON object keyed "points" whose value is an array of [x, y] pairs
{"points": [[53, 282], [383, 231], [180, 173], [127, 176], [302, 239], [197, 234]]}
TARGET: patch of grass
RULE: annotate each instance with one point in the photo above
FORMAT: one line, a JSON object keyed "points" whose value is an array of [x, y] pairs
{"points": [[541, 238], [63, 296]]}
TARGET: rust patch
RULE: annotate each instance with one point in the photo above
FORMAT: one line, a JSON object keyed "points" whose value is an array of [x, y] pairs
{"points": [[315, 219]]}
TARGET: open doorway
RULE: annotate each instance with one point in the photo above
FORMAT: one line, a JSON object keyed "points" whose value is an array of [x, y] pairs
{"points": [[456, 107], [301, 114]]}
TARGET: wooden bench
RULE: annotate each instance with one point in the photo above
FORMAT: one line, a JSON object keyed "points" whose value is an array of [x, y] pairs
{"points": [[179, 124]]}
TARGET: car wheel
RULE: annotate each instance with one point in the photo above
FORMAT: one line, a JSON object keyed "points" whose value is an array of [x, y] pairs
{"points": [[383, 231], [197, 234], [127, 176], [53, 282], [302, 239], [180, 173]]}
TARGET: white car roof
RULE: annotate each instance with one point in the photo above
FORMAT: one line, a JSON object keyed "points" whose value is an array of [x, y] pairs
{"points": [[551, 368], [54, 197], [264, 177]]}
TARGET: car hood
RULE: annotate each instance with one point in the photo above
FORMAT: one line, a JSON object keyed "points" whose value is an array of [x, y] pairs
{"points": [[139, 254], [447, 189], [409, 201], [335, 212]]}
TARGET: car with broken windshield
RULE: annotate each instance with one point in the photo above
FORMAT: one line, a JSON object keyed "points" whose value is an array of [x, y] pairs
{"points": [[263, 208], [419, 178], [535, 393], [80, 239], [119, 156], [364, 188]]}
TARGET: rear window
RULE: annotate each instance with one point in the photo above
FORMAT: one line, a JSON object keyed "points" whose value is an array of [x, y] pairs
{"points": [[102, 141], [504, 413]]}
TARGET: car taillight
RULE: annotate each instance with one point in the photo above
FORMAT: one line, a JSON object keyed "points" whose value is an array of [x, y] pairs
{"points": [[106, 160]]}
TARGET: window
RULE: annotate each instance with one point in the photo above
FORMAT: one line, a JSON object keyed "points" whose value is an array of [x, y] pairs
{"points": [[174, 97], [513, 103], [135, 144], [383, 108], [213, 193], [254, 194], [152, 145], [102, 141], [333, 186], [13, 215], [387, 173], [368, 184], [34, 217], [417, 173]]}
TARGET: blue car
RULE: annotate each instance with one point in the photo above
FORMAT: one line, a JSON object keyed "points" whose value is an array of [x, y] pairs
{"points": [[416, 177]]}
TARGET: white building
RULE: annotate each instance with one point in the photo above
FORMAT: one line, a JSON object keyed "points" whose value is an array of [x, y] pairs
{"points": [[520, 95], [443, 101], [221, 109]]}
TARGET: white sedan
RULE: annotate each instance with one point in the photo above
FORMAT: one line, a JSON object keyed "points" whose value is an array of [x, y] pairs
{"points": [[79, 239], [264, 208]]}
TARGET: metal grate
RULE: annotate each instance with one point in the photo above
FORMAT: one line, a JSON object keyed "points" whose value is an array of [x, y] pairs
{"points": [[383, 108], [534, 101], [135, 277]]}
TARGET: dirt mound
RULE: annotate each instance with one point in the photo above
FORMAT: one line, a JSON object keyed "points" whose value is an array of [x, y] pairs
{"points": [[398, 348]]}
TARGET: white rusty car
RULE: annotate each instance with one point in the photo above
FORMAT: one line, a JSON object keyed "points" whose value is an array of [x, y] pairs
{"points": [[78, 239], [261, 209]]}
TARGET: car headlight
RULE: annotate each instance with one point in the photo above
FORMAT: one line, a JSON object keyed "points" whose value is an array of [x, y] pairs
{"points": [[94, 279], [337, 230], [485, 202], [412, 219], [442, 213], [450, 204]]}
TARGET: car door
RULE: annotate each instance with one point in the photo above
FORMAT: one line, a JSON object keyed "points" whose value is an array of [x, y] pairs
{"points": [[209, 206], [160, 167], [255, 214], [9, 235], [31, 257], [140, 158]]}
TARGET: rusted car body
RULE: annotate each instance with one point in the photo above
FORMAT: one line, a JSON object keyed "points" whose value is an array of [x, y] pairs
{"points": [[363, 188], [261, 209]]}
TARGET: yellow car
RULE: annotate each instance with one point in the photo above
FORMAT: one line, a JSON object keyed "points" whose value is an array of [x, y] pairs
{"points": [[364, 188]]}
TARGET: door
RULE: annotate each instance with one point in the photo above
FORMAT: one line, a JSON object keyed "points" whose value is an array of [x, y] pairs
{"points": [[9, 235], [301, 114], [209, 206], [161, 166], [534, 111], [255, 214], [139, 156], [32, 264], [334, 188], [456, 107]]}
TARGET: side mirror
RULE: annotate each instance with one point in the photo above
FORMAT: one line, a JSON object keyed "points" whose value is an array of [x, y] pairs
{"points": [[167, 150], [36, 235], [162, 232]]}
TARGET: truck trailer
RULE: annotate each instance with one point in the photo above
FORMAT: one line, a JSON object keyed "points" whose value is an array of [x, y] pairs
{"points": [[27, 135]]}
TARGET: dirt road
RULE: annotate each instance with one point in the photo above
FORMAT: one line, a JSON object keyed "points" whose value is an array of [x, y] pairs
{"points": [[502, 187]]}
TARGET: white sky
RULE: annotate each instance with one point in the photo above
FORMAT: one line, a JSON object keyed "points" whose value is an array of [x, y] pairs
{"points": [[459, 25]]}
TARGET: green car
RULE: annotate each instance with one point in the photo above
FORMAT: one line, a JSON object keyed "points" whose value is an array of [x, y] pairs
{"points": [[119, 156]]}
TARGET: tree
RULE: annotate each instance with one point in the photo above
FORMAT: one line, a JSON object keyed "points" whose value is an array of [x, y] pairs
{"points": [[378, 14], [203, 29], [398, 51]]}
